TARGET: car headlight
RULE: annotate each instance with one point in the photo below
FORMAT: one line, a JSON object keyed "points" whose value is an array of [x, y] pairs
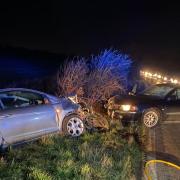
{"points": [[128, 107]]}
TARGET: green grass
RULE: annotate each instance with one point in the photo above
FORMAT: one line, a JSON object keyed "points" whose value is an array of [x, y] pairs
{"points": [[92, 156]]}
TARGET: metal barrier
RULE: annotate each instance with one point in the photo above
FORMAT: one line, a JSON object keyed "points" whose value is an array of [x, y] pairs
{"points": [[163, 170]]}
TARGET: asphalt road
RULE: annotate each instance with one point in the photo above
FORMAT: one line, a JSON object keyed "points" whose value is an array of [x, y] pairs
{"points": [[164, 141], [164, 144]]}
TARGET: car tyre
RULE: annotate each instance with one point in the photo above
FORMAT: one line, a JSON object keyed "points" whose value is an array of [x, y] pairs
{"points": [[73, 125], [151, 117]]}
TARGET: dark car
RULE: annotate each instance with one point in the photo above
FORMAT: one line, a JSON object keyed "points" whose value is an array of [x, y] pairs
{"points": [[158, 103]]}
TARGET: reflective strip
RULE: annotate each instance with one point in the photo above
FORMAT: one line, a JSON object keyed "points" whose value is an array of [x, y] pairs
{"points": [[171, 122], [173, 113], [158, 161]]}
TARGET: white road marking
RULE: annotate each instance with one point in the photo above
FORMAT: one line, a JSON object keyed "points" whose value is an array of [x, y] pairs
{"points": [[173, 113], [171, 122]]}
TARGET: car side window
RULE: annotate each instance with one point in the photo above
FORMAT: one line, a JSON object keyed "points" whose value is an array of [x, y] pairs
{"points": [[1, 106], [178, 94], [175, 95], [18, 99]]}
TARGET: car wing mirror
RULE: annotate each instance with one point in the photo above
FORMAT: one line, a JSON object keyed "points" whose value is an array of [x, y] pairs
{"points": [[134, 90], [131, 93]]}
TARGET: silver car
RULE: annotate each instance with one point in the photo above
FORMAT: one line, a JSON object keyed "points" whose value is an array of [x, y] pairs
{"points": [[28, 114]]}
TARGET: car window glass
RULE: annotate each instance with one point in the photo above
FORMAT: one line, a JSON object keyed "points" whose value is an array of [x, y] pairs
{"points": [[1, 105], [16, 99], [172, 97], [159, 91], [178, 94]]}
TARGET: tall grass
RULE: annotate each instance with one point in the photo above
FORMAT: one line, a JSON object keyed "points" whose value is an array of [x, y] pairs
{"points": [[92, 156]]}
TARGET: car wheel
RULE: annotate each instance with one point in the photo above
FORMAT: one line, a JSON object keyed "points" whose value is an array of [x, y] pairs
{"points": [[151, 117], [73, 125]]}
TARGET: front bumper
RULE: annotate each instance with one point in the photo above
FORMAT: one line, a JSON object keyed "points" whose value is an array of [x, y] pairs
{"points": [[126, 116]]}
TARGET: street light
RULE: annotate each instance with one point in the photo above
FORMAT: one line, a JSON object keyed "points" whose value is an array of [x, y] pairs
{"points": [[175, 81], [165, 78], [172, 80]]}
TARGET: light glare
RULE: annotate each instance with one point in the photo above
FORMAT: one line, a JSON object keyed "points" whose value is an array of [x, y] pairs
{"points": [[126, 107]]}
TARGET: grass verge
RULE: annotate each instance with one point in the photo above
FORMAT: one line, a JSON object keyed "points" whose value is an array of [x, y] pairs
{"points": [[92, 156]]}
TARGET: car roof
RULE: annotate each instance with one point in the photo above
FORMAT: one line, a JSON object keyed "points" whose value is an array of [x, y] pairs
{"points": [[20, 89], [52, 98]]}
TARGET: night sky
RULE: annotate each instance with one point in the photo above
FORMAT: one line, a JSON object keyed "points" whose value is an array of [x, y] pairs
{"points": [[149, 32]]}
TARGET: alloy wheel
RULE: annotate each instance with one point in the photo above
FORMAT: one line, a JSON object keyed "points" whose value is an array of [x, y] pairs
{"points": [[150, 119], [75, 126]]}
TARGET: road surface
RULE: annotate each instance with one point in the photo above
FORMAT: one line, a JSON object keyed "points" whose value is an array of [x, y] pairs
{"points": [[164, 144]]}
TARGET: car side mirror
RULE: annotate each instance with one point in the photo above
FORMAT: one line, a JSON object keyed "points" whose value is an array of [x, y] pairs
{"points": [[134, 90], [131, 93]]}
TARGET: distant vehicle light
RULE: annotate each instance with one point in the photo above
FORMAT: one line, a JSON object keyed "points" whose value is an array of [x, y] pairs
{"points": [[146, 74], [158, 78], [165, 78], [150, 74]]}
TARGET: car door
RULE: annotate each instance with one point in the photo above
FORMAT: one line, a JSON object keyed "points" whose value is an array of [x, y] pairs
{"points": [[25, 116], [172, 106]]}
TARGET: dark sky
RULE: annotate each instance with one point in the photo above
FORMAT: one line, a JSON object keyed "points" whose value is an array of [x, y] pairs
{"points": [[150, 32]]}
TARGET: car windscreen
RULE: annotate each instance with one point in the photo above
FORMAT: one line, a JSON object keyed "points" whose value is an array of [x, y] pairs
{"points": [[158, 90]]}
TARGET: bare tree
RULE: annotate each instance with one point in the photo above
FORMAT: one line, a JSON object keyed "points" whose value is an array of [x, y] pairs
{"points": [[104, 75], [72, 76], [101, 85], [108, 74]]}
